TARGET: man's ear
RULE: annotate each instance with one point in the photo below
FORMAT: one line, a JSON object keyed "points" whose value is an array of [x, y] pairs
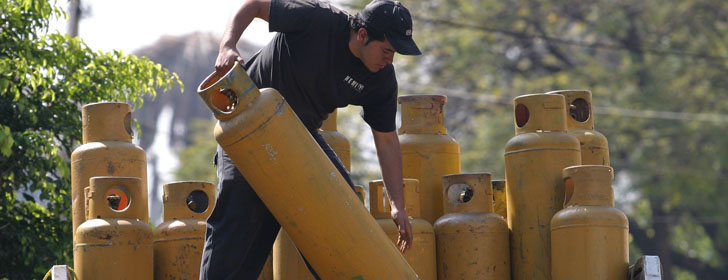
{"points": [[362, 35]]}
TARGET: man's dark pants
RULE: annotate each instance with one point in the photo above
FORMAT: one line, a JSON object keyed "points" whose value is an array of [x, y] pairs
{"points": [[241, 231]]}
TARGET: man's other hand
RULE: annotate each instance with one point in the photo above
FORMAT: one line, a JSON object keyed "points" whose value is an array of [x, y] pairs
{"points": [[404, 228]]}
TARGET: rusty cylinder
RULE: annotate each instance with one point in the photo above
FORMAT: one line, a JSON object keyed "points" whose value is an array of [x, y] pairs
{"points": [[114, 243], [472, 241], [422, 254], [580, 123], [264, 138], [534, 160], [428, 153], [287, 261], [178, 241], [336, 140], [499, 198], [106, 151], [589, 237]]}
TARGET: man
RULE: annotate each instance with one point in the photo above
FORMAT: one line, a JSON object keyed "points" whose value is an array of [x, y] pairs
{"points": [[320, 59]]}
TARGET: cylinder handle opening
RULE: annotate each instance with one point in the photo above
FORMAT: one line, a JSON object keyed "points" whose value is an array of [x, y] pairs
{"points": [[127, 124], [225, 100], [197, 201], [118, 199], [579, 110], [460, 193], [569, 190], [522, 115]]}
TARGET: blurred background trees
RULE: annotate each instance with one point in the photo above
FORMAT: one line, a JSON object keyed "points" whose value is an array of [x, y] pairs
{"points": [[657, 71]]}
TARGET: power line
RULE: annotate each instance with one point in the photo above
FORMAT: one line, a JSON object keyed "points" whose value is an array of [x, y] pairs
{"points": [[665, 115], [614, 111], [557, 40]]}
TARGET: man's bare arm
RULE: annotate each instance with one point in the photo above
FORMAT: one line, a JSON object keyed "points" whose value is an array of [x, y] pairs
{"points": [[390, 161], [238, 23]]}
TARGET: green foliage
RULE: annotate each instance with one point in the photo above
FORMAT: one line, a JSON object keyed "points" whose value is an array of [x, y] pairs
{"points": [[44, 79], [195, 159]]}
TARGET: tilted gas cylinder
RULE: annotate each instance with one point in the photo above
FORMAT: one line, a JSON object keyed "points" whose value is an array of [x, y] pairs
{"points": [[421, 256], [114, 243], [106, 151], [178, 241], [297, 182], [287, 262], [534, 160], [499, 198], [589, 237], [580, 123], [336, 140], [428, 153], [472, 241]]}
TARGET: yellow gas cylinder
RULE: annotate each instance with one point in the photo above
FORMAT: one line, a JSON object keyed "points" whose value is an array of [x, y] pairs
{"points": [[589, 237], [267, 272], [114, 243], [336, 140], [178, 241], [580, 123], [422, 254], [287, 262], [106, 151], [428, 153], [472, 241], [499, 198], [297, 181], [534, 160]]}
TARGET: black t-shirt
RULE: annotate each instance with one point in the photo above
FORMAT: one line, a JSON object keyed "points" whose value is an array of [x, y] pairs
{"points": [[310, 64]]}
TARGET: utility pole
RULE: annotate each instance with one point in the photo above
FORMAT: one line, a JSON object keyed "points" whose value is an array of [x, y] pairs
{"points": [[74, 17]]}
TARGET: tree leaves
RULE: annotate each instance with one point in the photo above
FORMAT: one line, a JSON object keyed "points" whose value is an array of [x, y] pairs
{"points": [[6, 141], [44, 79]]}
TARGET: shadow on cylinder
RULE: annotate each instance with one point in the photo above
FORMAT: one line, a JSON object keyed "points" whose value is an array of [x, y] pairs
{"points": [[499, 198]]}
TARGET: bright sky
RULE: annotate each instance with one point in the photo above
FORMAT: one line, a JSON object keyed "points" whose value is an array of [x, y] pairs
{"points": [[131, 24]]}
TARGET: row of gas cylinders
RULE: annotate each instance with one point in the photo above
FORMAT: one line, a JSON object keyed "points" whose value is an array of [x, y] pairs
{"points": [[115, 243], [554, 132], [471, 241], [112, 237], [555, 220]]}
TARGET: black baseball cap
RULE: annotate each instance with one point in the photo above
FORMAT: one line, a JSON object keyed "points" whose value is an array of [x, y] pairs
{"points": [[394, 20]]}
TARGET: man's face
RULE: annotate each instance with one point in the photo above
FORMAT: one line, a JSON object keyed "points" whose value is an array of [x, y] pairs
{"points": [[377, 54]]}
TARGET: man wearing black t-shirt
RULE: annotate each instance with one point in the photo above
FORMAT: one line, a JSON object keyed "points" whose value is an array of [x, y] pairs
{"points": [[321, 59]]}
